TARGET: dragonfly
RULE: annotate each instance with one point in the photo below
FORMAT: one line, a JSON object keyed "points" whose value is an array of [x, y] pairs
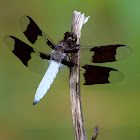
{"points": [[44, 50]]}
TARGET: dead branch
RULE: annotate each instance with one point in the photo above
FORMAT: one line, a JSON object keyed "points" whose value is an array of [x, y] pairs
{"points": [[78, 124], [96, 131]]}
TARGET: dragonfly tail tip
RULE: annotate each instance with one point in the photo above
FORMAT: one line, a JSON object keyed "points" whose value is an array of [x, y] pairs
{"points": [[35, 102]]}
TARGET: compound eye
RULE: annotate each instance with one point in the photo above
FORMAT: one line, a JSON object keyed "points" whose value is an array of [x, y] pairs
{"points": [[66, 35], [74, 40], [74, 37]]}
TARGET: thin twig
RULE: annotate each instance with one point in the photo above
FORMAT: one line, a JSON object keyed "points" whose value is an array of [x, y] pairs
{"points": [[96, 131]]}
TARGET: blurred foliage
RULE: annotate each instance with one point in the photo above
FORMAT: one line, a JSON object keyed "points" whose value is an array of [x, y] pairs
{"points": [[114, 107]]}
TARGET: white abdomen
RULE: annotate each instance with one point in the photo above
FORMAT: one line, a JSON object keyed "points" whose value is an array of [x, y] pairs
{"points": [[46, 81]]}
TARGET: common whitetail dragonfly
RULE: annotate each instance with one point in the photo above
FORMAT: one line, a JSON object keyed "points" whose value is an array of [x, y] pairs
{"points": [[35, 57]]}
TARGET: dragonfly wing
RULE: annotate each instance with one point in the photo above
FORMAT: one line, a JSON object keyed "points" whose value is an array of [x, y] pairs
{"points": [[29, 56], [102, 54], [35, 35]]}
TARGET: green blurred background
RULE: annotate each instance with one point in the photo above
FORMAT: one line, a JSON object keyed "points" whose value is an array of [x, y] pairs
{"points": [[114, 107]]}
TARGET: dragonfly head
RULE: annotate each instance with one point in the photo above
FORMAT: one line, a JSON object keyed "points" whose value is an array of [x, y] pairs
{"points": [[70, 37]]}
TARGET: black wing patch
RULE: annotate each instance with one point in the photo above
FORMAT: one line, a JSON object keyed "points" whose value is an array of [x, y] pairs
{"points": [[110, 53], [30, 57], [102, 54], [22, 51], [32, 31], [68, 63], [45, 56], [100, 75], [34, 34]]}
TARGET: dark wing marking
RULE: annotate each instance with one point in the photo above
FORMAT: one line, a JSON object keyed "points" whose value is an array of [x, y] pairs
{"points": [[100, 75], [67, 63], [45, 56], [107, 53], [30, 57], [34, 34]]}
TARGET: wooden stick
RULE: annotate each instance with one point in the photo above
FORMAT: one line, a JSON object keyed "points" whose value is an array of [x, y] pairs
{"points": [[78, 124]]}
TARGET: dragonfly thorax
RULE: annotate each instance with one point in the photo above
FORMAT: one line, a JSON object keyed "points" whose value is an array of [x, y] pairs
{"points": [[58, 52]]}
